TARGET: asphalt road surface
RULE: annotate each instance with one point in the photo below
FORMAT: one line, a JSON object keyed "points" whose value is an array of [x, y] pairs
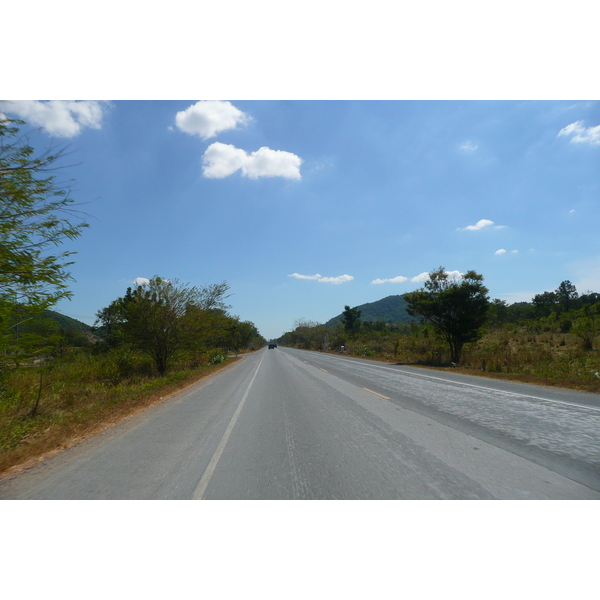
{"points": [[290, 424]]}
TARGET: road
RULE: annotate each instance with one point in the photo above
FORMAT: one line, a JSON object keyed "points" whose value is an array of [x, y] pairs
{"points": [[290, 424]]}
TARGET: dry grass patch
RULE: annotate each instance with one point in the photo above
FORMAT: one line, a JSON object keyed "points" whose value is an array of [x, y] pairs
{"points": [[76, 401], [553, 359]]}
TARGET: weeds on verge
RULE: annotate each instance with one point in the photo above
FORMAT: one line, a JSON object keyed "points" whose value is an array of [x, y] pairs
{"points": [[557, 359], [46, 408]]}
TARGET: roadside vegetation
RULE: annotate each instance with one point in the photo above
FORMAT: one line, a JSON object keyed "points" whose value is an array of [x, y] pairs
{"points": [[59, 380], [52, 407], [57, 385], [552, 340]]}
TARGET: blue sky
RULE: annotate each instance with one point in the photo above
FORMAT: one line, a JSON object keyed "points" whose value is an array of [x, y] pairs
{"points": [[305, 206], [341, 147]]}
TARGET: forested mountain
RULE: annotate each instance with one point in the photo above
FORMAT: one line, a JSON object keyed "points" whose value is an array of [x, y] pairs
{"points": [[67, 323], [391, 309]]}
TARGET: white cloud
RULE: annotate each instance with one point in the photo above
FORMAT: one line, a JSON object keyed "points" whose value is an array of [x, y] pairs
{"points": [[468, 146], [581, 134], [141, 281], [272, 163], [221, 160], [454, 274], [298, 276], [501, 251], [425, 276], [335, 280], [63, 118], [576, 127], [482, 224], [209, 117], [479, 225], [399, 279]]}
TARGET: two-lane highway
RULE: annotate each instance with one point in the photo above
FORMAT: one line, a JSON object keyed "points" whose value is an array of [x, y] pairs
{"points": [[290, 424]]}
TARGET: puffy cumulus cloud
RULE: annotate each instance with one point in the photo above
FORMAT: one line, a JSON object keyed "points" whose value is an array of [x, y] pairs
{"points": [[499, 252], [399, 279], [272, 163], [221, 160], [141, 281], [208, 117], [581, 134], [335, 280], [63, 118]]}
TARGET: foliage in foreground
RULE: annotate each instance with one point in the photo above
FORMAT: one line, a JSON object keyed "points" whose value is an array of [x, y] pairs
{"points": [[36, 216]]}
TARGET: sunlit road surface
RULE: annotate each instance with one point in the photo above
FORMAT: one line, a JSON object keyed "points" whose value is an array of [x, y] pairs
{"points": [[290, 424]]}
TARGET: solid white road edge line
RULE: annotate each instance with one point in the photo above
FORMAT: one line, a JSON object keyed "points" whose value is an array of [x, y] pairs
{"points": [[210, 469]]}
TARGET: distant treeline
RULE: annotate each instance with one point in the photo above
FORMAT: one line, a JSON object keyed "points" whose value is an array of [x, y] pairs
{"points": [[562, 310]]}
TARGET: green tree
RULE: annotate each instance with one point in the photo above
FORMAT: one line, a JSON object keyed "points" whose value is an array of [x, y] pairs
{"points": [[456, 309], [566, 294], [242, 334], [304, 333], [36, 216], [587, 325], [163, 318], [110, 321], [545, 304], [498, 312], [351, 319]]}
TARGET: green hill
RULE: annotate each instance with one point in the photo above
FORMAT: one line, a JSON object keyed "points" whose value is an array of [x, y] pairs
{"points": [[391, 309], [67, 323]]}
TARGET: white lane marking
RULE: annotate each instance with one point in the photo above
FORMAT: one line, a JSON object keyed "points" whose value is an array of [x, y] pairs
{"points": [[210, 469], [481, 387]]}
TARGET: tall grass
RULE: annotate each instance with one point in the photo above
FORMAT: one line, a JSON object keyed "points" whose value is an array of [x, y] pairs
{"points": [[515, 353], [48, 407]]}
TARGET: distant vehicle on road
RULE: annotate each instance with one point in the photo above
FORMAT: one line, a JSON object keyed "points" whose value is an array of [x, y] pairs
{"points": [[271, 346]]}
